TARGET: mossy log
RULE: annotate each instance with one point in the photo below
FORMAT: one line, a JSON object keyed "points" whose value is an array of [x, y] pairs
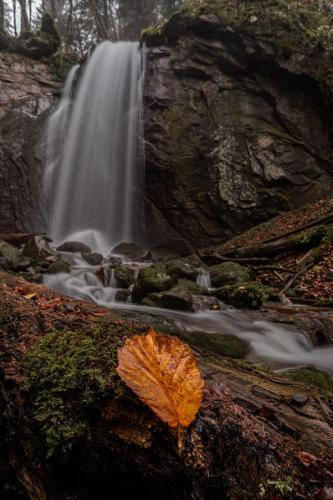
{"points": [[303, 241], [70, 429]]}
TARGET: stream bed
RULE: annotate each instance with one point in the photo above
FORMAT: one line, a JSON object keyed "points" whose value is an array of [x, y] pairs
{"points": [[273, 337]]}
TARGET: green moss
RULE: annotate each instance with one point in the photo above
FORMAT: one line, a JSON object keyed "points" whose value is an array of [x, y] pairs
{"points": [[247, 295], [68, 374], [190, 287], [218, 343], [311, 376]]}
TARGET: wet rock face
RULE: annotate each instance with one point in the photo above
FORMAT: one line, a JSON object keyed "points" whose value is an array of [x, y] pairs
{"points": [[27, 91], [234, 134]]}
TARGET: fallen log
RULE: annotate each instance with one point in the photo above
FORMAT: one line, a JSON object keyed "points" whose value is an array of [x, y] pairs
{"points": [[19, 238], [70, 429], [321, 220], [301, 242], [215, 258]]}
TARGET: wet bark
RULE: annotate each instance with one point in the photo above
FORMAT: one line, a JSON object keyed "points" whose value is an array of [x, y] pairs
{"points": [[251, 429]]}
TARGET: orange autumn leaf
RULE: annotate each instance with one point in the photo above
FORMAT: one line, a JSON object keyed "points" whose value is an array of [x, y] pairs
{"points": [[163, 373]]}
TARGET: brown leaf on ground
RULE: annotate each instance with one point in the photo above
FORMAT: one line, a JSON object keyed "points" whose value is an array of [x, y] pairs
{"points": [[163, 373]]}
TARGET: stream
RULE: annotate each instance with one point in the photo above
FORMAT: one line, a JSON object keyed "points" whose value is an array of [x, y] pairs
{"points": [[276, 344]]}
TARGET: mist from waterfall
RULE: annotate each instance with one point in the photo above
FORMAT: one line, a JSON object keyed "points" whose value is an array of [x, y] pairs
{"points": [[95, 170]]}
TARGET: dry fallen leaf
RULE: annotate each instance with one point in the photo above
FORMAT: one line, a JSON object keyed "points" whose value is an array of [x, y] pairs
{"points": [[30, 295], [163, 373]]}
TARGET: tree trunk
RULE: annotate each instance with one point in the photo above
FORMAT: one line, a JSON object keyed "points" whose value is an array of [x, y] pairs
{"points": [[252, 435], [24, 15]]}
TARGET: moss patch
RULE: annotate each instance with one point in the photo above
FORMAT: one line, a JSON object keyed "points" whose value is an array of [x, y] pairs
{"points": [[312, 377], [218, 343], [69, 373]]}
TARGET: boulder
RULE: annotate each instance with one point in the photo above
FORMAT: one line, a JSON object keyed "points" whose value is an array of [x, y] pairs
{"points": [[179, 300], [132, 251], [190, 287], [228, 273], [124, 276], [73, 247], [247, 295], [12, 258], [203, 302], [38, 248], [150, 279], [187, 268], [59, 266], [122, 295], [219, 343], [93, 258]]}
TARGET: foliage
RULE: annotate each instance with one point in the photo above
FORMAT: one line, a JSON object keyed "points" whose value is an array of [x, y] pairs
{"points": [[280, 487], [162, 371], [69, 373]]}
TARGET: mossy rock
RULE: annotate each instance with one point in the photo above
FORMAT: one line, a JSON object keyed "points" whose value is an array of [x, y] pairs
{"points": [[218, 343], [11, 258], [124, 276], [311, 376], [150, 279], [40, 43], [228, 273], [186, 268], [190, 287], [245, 295], [59, 266], [73, 247], [92, 258], [122, 295], [179, 300]]}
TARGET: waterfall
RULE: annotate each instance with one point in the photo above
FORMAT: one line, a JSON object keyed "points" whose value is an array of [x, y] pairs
{"points": [[203, 278], [56, 130], [96, 185]]}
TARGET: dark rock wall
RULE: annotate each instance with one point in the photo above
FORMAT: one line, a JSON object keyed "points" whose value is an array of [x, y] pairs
{"points": [[233, 134], [27, 91]]}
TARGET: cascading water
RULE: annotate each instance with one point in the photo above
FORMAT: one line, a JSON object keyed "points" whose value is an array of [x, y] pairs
{"points": [[97, 181]]}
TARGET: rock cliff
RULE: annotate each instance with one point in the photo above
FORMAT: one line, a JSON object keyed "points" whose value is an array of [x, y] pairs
{"points": [[27, 91], [238, 122]]}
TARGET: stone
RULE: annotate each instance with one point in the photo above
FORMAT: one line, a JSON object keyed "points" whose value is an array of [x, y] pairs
{"points": [[122, 295], [38, 248], [59, 266], [247, 295], [190, 287], [12, 258], [300, 399], [178, 300], [150, 279], [219, 343], [93, 258], [132, 251], [114, 261], [73, 247], [202, 302], [184, 268], [228, 273], [124, 276]]}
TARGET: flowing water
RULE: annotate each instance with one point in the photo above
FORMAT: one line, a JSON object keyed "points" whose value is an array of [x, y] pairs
{"points": [[97, 181], [93, 183]]}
